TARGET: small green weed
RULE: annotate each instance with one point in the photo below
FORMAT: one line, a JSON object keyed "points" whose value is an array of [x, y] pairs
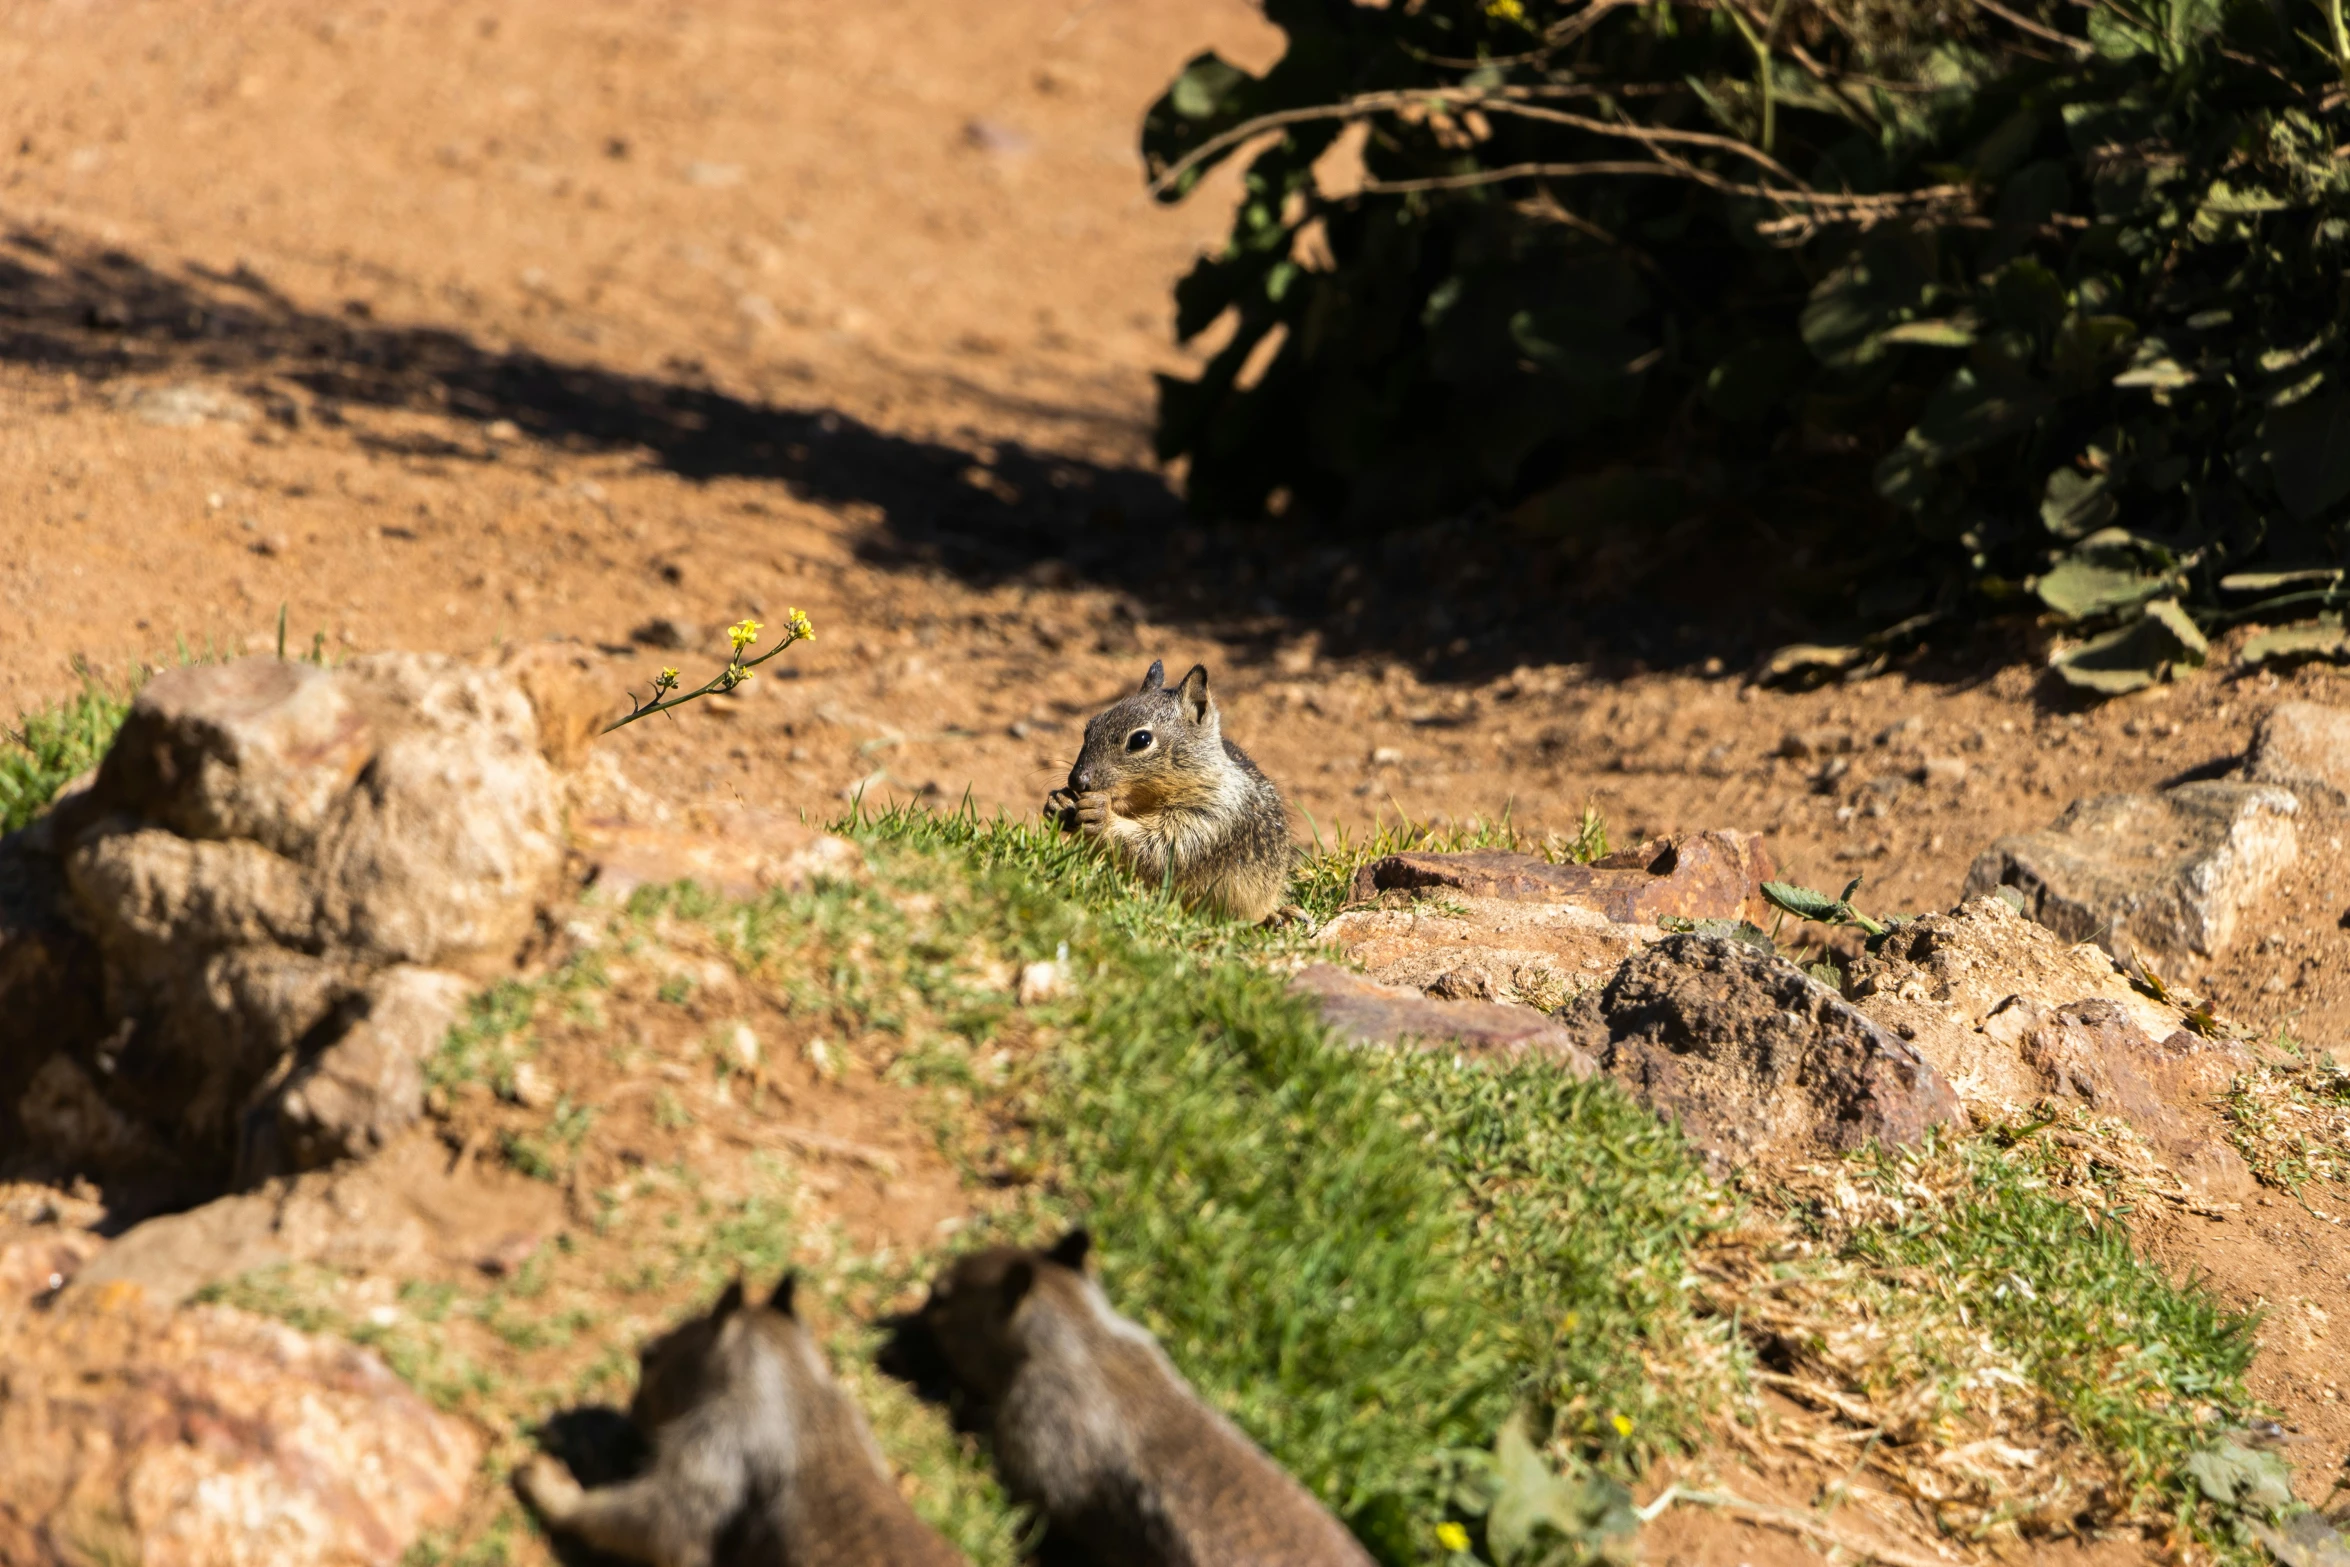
{"points": [[48, 749]]}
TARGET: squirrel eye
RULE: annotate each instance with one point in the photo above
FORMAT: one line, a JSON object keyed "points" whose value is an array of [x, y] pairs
{"points": [[1140, 740]]}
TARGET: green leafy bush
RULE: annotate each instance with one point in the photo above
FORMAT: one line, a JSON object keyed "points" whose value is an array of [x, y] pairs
{"points": [[1938, 304]]}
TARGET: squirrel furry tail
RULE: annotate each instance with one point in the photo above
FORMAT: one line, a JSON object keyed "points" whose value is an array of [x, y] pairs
{"points": [[1173, 801]]}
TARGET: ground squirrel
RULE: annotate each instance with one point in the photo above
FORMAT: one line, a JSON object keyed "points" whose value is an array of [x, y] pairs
{"points": [[759, 1458], [1174, 801], [1094, 1426]]}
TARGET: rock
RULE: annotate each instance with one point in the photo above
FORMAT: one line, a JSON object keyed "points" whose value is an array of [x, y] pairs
{"points": [[404, 1211], [2165, 873], [354, 1096], [1365, 1012], [210, 1436], [1487, 949], [742, 853], [259, 749], [50, 976], [1966, 985], [667, 634], [2094, 1052], [1754, 1058], [1704, 876], [271, 864], [65, 1121], [568, 695], [2304, 747]]}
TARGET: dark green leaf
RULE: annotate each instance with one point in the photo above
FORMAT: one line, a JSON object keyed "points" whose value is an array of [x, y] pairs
{"points": [[1802, 902], [2308, 450], [1540, 1517], [2081, 589], [2076, 504]]}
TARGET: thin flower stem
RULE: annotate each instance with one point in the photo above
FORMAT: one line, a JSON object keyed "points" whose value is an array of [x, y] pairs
{"points": [[737, 670]]}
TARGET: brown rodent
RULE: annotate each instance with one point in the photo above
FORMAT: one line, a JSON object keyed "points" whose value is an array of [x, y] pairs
{"points": [[759, 1459], [1094, 1426], [1158, 785]]}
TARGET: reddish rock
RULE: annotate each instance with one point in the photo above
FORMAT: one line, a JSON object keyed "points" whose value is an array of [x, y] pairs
{"points": [[1486, 949], [1704, 876], [210, 1438], [2168, 1090], [1365, 1012]]}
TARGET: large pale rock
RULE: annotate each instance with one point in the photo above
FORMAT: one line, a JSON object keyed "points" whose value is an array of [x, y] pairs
{"points": [[276, 873], [1704, 876], [1754, 1058], [260, 749], [1365, 1012], [2304, 747], [211, 1438], [441, 851], [1965, 985], [358, 1093], [1487, 949], [2165, 873]]}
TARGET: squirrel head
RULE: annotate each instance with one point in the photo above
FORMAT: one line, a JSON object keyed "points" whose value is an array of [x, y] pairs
{"points": [[684, 1366], [972, 1315], [1152, 734]]}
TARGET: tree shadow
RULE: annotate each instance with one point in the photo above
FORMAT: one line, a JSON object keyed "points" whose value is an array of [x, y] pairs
{"points": [[1462, 600]]}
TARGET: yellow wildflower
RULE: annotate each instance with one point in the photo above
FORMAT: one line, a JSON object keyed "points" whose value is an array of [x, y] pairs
{"points": [[1452, 1537], [1506, 10], [1623, 1425], [800, 629], [668, 677], [742, 634]]}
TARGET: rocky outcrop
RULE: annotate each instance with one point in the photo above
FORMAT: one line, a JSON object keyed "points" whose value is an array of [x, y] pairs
{"points": [[1364, 1012], [283, 878], [2167, 873], [1469, 948], [2304, 747], [1754, 1058]]}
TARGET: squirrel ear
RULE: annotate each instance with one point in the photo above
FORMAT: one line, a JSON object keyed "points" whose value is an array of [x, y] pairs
{"points": [[1193, 694], [781, 1300], [1155, 677], [1019, 1277], [730, 1302], [1073, 1250]]}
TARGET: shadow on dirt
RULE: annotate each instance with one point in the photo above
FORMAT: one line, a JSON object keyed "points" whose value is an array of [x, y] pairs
{"points": [[1463, 600]]}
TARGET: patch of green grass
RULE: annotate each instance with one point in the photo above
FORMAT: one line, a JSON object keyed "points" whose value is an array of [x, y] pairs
{"points": [[2142, 1368], [1368, 1259], [48, 749]]}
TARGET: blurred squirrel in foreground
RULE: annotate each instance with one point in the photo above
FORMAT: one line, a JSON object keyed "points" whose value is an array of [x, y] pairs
{"points": [[1175, 802], [759, 1459], [1092, 1423]]}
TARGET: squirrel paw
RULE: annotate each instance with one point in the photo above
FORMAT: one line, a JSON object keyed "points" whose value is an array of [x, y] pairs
{"points": [[548, 1487], [1093, 813], [1060, 809]]}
